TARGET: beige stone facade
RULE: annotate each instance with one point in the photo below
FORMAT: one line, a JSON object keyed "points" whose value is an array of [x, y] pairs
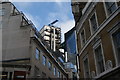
{"points": [[97, 51]]}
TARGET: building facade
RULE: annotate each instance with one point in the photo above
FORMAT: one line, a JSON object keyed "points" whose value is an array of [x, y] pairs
{"points": [[24, 52], [98, 39], [52, 35]]}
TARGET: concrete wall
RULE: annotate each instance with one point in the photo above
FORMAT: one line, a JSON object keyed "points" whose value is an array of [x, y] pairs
{"points": [[16, 39]]}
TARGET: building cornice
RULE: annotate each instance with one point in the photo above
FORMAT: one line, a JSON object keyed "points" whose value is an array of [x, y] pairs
{"points": [[108, 73], [85, 16]]}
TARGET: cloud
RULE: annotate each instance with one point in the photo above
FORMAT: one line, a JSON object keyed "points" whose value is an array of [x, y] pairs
{"points": [[40, 0], [57, 15], [66, 26], [35, 19], [22, 5], [63, 15], [61, 12]]}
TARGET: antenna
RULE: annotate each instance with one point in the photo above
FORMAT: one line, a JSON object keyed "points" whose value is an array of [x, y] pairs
{"points": [[51, 24]]}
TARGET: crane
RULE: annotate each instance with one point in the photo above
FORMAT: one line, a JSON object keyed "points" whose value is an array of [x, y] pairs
{"points": [[51, 24]]}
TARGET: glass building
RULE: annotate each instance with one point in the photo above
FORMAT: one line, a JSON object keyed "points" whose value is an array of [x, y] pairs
{"points": [[70, 45]]}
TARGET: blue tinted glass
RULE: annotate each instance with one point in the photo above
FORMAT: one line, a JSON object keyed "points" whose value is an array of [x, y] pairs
{"points": [[44, 60], [37, 54], [71, 44]]}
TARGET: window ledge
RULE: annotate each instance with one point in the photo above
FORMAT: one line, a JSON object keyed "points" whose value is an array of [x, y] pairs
{"points": [[108, 72]]}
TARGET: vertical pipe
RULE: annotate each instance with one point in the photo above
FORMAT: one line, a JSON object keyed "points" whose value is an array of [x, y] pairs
{"points": [[1, 43], [54, 40]]}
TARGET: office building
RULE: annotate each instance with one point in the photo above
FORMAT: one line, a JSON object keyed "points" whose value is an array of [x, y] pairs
{"points": [[98, 39], [70, 49], [24, 52], [70, 45]]}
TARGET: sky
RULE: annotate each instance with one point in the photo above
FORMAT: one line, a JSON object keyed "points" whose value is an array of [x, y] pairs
{"points": [[43, 13]]}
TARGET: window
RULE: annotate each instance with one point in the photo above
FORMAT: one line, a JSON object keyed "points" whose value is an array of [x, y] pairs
{"points": [[0, 24], [110, 7], [93, 21], [37, 55], [44, 60], [10, 75], [86, 67], [99, 60], [43, 75], [50, 65], [82, 37], [61, 76], [54, 71], [5, 75], [1, 12], [58, 74], [116, 40], [36, 71]]}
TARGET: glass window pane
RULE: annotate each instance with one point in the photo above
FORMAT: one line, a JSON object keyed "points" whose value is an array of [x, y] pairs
{"points": [[86, 68], [37, 55], [83, 37], [44, 60], [58, 74], [99, 59], [54, 71], [93, 23], [116, 38], [50, 65], [111, 7]]}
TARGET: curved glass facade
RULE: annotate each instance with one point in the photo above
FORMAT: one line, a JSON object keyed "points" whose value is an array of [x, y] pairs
{"points": [[70, 45]]}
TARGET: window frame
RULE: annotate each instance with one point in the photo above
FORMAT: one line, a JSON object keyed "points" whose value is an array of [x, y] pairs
{"points": [[96, 45], [1, 24], [49, 67], [112, 31], [44, 60], [2, 12], [81, 39], [37, 54], [91, 27], [58, 74], [105, 8], [86, 57], [54, 71]]}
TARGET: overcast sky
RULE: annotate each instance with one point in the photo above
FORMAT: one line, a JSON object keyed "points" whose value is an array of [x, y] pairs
{"points": [[43, 13]]}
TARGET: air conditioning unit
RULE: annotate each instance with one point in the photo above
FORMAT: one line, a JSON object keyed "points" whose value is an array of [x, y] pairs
{"points": [[109, 65], [93, 74]]}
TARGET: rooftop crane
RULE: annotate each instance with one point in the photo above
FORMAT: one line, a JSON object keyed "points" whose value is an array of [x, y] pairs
{"points": [[51, 24]]}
